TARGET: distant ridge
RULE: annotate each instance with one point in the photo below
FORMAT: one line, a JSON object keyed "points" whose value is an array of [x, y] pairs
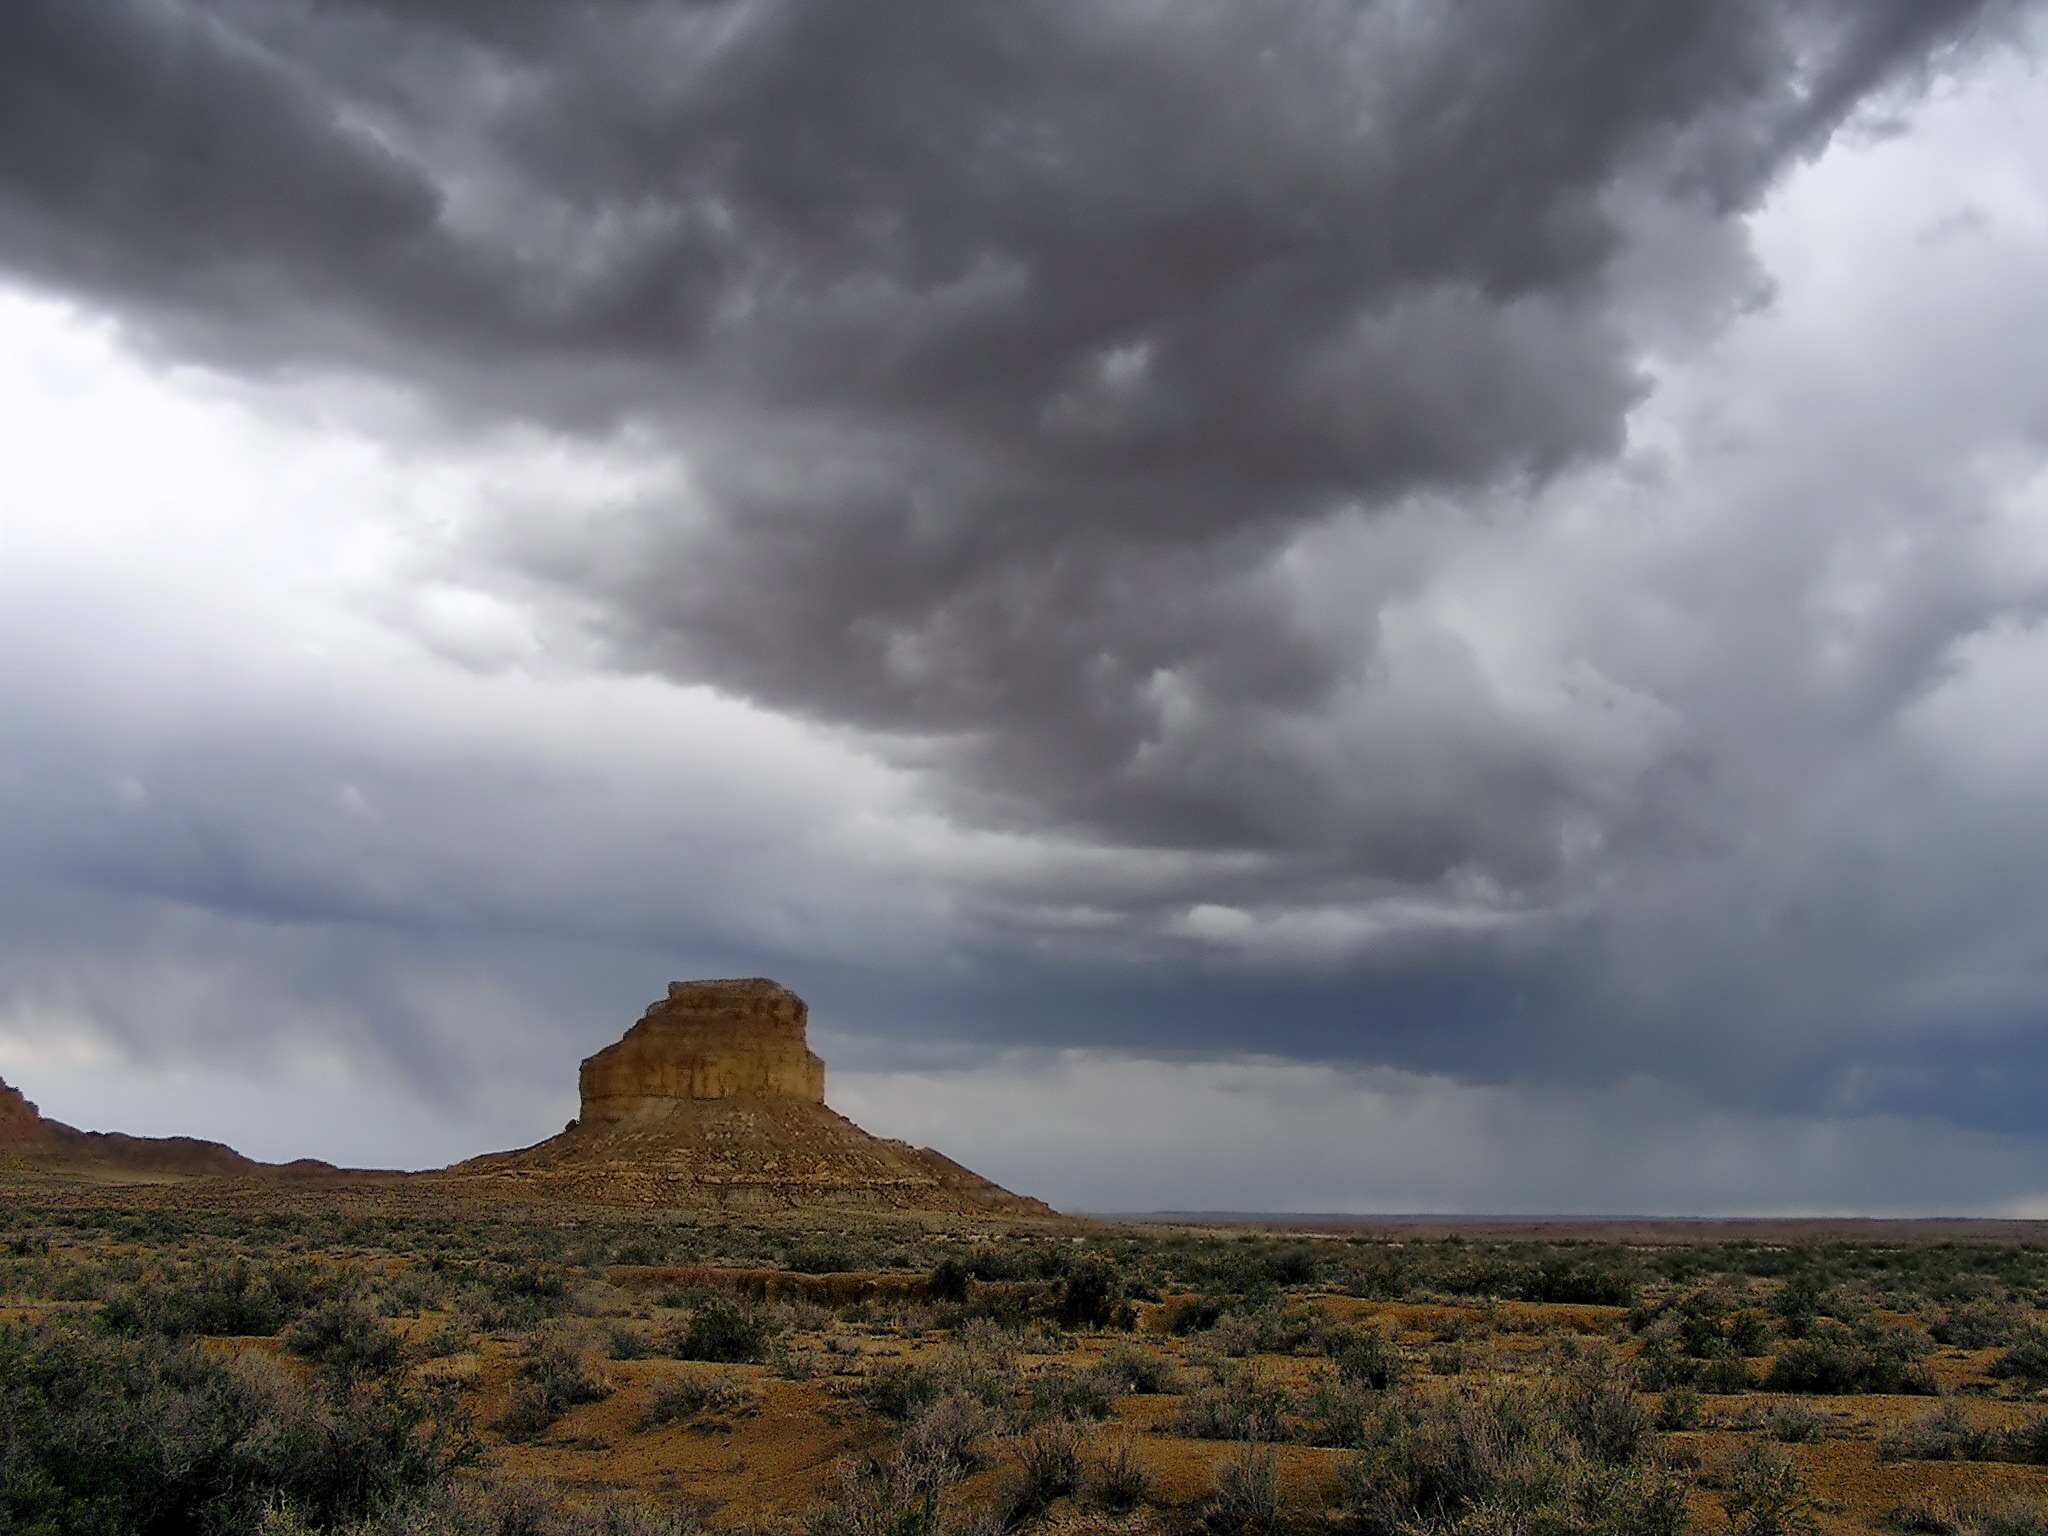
{"points": [[1621, 1229], [30, 1142]]}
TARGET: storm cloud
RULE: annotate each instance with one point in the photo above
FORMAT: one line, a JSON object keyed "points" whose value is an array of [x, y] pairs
{"points": [[1358, 532]]}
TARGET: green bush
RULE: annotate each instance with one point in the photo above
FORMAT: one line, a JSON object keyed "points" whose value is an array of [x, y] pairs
{"points": [[1978, 1323], [556, 1376], [212, 1300], [722, 1331], [1246, 1498], [1237, 1404], [1057, 1393], [699, 1392], [1764, 1495], [1947, 1435], [1364, 1356], [1118, 1482], [1092, 1296], [1135, 1369], [1832, 1360], [1510, 1459], [345, 1338], [1680, 1409], [2025, 1361], [1048, 1468], [135, 1437]]}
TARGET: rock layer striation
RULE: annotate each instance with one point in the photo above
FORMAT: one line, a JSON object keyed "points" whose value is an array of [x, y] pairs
{"points": [[705, 1040]]}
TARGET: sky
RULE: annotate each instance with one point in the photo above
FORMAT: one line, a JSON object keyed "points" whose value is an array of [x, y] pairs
{"points": [[1315, 605]]}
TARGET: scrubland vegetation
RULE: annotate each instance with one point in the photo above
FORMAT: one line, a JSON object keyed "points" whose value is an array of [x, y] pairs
{"points": [[172, 1365]]}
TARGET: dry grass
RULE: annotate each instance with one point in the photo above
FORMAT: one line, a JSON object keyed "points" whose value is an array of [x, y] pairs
{"points": [[616, 1374]]}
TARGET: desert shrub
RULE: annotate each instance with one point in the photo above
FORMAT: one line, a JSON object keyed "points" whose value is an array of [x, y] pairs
{"points": [[2026, 1361], [515, 1509], [1797, 1424], [1941, 1435], [1595, 1282], [344, 1337], [2018, 1518], [1507, 1458], [1597, 1406], [1237, 1404], [901, 1497], [1117, 1480], [1764, 1495], [556, 1376], [1833, 1358], [135, 1437], [522, 1295], [451, 1335], [898, 1389], [976, 1363], [210, 1299], [1725, 1374], [1945, 1434], [821, 1256], [1193, 1314], [1057, 1393], [1235, 1335], [948, 1432], [1364, 1356], [626, 1343], [1132, 1368], [1338, 1413], [1246, 1497], [1092, 1296], [1005, 1304], [721, 1330], [1048, 1468], [1680, 1409], [699, 1392], [1798, 1302], [949, 1280], [1980, 1322]]}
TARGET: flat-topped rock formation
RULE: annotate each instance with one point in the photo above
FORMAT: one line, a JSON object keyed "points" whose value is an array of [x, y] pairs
{"points": [[705, 1040], [715, 1098]]}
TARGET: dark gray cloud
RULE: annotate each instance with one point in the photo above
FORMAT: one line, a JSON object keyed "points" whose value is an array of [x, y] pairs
{"points": [[1290, 484], [1010, 345]]}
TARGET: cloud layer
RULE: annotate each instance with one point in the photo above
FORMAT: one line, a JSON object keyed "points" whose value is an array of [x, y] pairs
{"points": [[1499, 543]]}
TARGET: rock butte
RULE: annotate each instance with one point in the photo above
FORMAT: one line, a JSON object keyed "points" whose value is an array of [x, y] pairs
{"points": [[715, 1098]]}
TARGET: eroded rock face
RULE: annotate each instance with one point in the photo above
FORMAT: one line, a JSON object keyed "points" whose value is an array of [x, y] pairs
{"points": [[20, 1123], [705, 1040]]}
